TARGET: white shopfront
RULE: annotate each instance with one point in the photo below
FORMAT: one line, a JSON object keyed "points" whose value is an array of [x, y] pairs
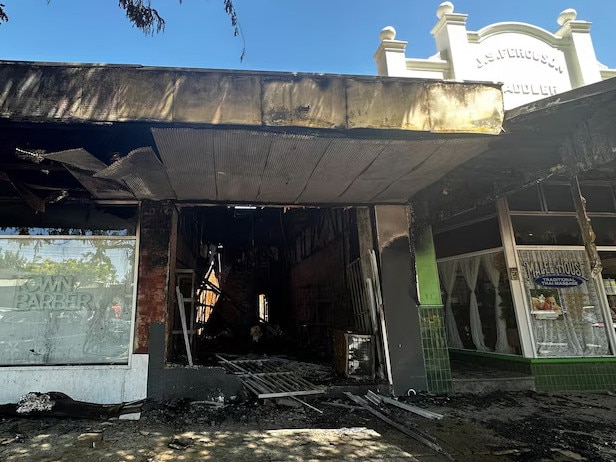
{"points": [[516, 276], [518, 280], [531, 63]]}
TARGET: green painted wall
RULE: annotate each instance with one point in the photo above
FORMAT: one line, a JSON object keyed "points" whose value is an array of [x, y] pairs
{"points": [[425, 265]]}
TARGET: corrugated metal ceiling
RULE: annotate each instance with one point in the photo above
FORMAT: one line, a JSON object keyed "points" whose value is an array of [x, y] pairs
{"points": [[234, 165]]}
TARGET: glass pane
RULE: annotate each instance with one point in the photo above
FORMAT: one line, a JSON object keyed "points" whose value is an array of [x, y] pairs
{"points": [[558, 198], [525, 200], [483, 211], [605, 230], [546, 230], [477, 236], [65, 301], [598, 198], [564, 304], [608, 260], [495, 304]]}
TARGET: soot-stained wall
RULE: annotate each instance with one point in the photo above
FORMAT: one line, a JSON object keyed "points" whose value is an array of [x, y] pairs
{"points": [[156, 244]]}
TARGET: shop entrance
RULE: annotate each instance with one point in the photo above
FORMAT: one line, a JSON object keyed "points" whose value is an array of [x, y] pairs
{"points": [[274, 281]]}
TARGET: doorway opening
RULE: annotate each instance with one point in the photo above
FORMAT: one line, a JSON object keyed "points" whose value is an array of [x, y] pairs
{"points": [[281, 282]]}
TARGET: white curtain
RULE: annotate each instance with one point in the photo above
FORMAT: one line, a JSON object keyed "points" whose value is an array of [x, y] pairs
{"points": [[470, 269], [448, 269], [502, 345]]}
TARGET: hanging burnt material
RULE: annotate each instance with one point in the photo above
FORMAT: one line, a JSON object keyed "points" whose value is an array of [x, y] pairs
{"points": [[143, 173], [83, 166]]}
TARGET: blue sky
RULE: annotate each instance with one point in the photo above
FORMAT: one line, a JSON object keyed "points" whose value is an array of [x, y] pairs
{"points": [[331, 36]]}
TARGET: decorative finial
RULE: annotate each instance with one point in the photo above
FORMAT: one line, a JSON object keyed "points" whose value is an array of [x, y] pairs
{"points": [[444, 8], [568, 15], [387, 33]]}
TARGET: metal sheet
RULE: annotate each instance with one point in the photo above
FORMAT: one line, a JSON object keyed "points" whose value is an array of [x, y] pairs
{"points": [[83, 165], [101, 188], [343, 161], [290, 163], [446, 157], [266, 167], [143, 173], [78, 158], [399, 158], [267, 378], [240, 158], [188, 157]]}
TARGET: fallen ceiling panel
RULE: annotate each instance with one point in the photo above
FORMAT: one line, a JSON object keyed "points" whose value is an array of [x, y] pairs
{"points": [[101, 188], [78, 158], [83, 166], [142, 173]]}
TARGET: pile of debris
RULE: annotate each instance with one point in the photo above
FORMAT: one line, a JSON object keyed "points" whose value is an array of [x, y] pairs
{"points": [[56, 404]]}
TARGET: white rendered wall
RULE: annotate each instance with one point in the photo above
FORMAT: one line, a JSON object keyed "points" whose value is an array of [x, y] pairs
{"points": [[94, 384], [530, 62]]}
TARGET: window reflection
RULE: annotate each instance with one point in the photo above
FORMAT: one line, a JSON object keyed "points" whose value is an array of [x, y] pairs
{"points": [[65, 301]]}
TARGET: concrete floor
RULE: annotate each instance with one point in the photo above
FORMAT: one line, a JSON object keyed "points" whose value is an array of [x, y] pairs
{"points": [[499, 426]]}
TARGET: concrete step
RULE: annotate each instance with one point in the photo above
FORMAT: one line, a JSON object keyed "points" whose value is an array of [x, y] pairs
{"points": [[487, 385]]}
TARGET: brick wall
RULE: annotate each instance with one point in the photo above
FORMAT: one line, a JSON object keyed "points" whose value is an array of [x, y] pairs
{"points": [[318, 292], [157, 238]]}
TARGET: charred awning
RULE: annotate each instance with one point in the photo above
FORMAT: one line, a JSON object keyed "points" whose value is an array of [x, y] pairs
{"points": [[572, 133], [130, 132]]}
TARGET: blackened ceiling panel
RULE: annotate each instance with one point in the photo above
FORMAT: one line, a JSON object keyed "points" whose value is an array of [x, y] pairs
{"points": [[397, 159], [188, 157], [78, 158], [142, 173], [290, 163], [343, 161], [101, 188], [240, 157], [445, 158], [83, 166]]}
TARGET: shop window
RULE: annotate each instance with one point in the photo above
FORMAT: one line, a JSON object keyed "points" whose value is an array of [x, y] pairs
{"points": [[527, 200], [483, 320], [66, 300], [598, 198], [558, 197], [605, 230], [67, 279], [481, 235], [564, 304], [608, 260], [481, 212], [546, 230]]}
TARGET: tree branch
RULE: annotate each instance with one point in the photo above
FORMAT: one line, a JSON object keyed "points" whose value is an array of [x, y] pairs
{"points": [[143, 16], [3, 16]]}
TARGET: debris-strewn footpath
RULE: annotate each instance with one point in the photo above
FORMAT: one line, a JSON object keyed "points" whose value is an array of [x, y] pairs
{"points": [[496, 427]]}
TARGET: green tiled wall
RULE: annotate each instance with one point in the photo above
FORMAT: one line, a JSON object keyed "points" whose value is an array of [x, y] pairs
{"points": [[494, 360], [575, 374], [434, 343], [554, 374]]}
